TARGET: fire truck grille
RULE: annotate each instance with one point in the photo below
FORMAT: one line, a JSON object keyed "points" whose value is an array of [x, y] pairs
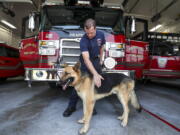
{"points": [[70, 42], [70, 51]]}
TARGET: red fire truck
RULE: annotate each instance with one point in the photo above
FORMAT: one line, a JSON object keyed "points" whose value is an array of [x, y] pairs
{"points": [[56, 33], [10, 63], [164, 59], [164, 53]]}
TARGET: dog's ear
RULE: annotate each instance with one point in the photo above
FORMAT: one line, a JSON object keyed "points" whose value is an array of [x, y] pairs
{"points": [[65, 65], [77, 66]]}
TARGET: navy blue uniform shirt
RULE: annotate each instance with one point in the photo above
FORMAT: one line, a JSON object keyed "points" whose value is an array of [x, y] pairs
{"points": [[93, 46]]}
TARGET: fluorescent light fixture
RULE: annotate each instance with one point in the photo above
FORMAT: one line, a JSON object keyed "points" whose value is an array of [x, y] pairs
{"points": [[24, 1], [156, 27], [8, 24]]}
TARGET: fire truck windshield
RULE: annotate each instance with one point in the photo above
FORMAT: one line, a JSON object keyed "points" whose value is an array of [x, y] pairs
{"points": [[2, 51], [54, 16]]}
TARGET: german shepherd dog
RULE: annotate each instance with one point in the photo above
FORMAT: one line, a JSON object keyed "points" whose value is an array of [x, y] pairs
{"points": [[113, 83]]}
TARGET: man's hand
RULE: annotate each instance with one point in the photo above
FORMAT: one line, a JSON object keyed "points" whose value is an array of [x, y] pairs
{"points": [[97, 80], [97, 77], [101, 63]]}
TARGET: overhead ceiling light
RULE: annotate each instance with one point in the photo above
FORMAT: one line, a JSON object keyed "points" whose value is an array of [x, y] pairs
{"points": [[8, 24], [156, 27], [27, 1]]}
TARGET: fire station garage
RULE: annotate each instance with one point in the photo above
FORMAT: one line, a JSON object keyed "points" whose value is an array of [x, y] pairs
{"points": [[94, 67]]}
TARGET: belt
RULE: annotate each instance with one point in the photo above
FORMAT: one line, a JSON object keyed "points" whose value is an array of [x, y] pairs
{"points": [[95, 58]]}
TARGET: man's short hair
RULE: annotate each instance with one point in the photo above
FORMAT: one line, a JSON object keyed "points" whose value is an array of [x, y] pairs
{"points": [[90, 23]]}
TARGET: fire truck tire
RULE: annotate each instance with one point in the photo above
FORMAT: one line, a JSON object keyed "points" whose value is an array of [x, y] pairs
{"points": [[3, 79], [52, 85], [147, 80], [144, 81]]}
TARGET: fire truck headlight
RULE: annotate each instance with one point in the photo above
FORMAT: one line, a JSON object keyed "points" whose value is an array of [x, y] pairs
{"points": [[50, 43], [116, 53], [109, 63], [39, 74], [42, 43], [112, 45], [120, 46]]}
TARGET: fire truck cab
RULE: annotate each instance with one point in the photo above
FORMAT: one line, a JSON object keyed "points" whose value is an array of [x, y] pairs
{"points": [[51, 38]]}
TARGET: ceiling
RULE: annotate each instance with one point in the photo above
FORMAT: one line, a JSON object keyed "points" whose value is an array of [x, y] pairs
{"points": [[169, 13], [168, 10]]}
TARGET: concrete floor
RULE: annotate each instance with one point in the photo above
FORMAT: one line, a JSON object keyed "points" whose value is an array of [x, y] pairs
{"points": [[38, 111]]}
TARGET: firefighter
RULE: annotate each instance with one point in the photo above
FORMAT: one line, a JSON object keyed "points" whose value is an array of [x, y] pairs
{"points": [[91, 47]]}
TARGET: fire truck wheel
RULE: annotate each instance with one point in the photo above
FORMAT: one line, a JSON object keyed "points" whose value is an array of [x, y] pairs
{"points": [[144, 81], [52, 85], [3, 79]]}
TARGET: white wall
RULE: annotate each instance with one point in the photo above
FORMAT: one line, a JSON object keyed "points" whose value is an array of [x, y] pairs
{"points": [[7, 36], [12, 37]]}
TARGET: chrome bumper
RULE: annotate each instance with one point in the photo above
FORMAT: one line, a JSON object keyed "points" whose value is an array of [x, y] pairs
{"points": [[129, 73], [42, 74]]}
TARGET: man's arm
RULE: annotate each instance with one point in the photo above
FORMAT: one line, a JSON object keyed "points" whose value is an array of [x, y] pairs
{"points": [[88, 62], [97, 77], [102, 54]]}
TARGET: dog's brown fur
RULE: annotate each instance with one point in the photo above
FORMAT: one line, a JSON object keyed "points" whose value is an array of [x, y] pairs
{"points": [[85, 88]]}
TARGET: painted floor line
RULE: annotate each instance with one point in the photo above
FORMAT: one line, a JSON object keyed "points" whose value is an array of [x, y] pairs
{"points": [[164, 121]]}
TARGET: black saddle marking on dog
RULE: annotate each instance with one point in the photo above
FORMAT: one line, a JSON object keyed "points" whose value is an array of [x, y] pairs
{"points": [[110, 80]]}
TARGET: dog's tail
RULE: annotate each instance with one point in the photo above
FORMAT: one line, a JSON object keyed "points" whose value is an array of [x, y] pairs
{"points": [[133, 97], [100, 96]]}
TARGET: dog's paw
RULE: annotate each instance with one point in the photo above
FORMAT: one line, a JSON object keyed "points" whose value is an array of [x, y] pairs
{"points": [[120, 117], [123, 123], [82, 131], [81, 121]]}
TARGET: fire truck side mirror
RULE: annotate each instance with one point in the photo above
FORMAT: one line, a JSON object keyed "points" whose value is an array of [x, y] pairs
{"points": [[31, 25], [133, 25]]}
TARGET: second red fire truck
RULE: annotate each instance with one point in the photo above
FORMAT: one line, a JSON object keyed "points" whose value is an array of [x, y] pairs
{"points": [[10, 62]]}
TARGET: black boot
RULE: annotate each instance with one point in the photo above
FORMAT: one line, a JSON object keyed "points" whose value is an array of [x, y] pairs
{"points": [[69, 111]]}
